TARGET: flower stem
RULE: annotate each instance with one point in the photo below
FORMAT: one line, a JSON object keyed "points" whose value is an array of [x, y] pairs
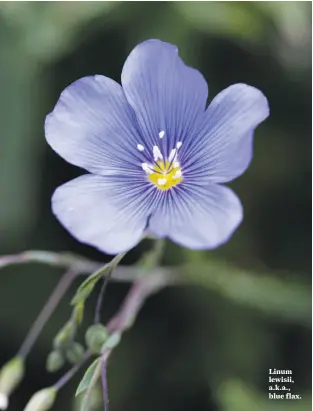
{"points": [[53, 301], [70, 374], [105, 282], [105, 385]]}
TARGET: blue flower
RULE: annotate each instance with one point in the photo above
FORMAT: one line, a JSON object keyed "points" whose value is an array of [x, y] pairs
{"points": [[156, 155]]}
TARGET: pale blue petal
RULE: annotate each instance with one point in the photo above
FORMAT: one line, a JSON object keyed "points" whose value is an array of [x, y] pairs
{"points": [[222, 149], [92, 126], [107, 213], [165, 94], [195, 216]]}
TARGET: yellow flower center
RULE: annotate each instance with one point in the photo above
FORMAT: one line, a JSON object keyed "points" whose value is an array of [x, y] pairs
{"points": [[166, 174]]}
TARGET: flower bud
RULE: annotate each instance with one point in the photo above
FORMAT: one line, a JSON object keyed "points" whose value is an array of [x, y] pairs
{"points": [[10, 376], [42, 400], [64, 336], [75, 353], [96, 336], [55, 361]]}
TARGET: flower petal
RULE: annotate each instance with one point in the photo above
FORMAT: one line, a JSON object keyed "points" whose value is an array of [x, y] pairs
{"points": [[167, 95], [223, 147], [103, 211], [200, 216], [93, 126]]}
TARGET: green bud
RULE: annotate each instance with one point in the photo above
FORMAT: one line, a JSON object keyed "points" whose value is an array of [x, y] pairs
{"points": [[55, 361], [64, 336], [95, 337], [42, 400], [11, 375], [75, 353]]}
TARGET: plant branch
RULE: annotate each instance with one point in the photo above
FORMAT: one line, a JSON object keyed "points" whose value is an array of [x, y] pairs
{"points": [[62, 260], [236, 284]]}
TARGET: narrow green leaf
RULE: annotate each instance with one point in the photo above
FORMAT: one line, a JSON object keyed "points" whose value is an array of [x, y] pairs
{"points": [[87, 378], [88, 285], [78, 313], [86, 288]]}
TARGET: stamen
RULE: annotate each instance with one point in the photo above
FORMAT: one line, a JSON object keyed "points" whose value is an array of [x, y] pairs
{"points": [[161, 181], [146, 168], [157, 155], [164, 173], [172, 155]]}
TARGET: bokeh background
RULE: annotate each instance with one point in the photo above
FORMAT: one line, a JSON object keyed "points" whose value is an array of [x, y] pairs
{"points": [[206, 346]]}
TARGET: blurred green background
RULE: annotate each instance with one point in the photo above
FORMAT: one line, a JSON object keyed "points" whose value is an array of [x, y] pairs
{"points": [[203, 347]]}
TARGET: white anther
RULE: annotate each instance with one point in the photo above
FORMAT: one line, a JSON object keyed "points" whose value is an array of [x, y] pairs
{"points": [[172, 154], [161, 134], [179, 144], [4, 402], [161, 181], [146, 168], [157, 155], [177, 175], [140, 147]]}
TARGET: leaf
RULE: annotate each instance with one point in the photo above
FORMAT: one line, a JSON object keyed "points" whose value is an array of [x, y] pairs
{"points": [[85, 406], [87, 378], [88, 285], [78, 313]]}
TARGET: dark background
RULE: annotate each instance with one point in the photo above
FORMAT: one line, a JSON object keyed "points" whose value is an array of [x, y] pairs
{"points": [[203, 347]]}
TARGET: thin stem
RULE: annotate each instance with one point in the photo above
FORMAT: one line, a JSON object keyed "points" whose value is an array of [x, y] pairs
{"points": [[70, 261], [70, 374], [63, 260], [105, 385], [46, 312], [105, 282], [114, 263]]}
